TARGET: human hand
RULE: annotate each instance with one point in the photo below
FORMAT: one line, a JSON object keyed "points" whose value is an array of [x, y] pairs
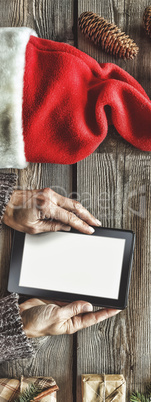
{"points": [[42, 318], [36, 211]]}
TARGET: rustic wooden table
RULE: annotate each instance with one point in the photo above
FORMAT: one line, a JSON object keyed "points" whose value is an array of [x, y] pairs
{"points": [[114, 183]]}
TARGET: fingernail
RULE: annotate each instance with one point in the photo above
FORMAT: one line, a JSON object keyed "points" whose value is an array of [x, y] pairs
{"points": [[87, 308], [91, 230], [98, 222], [66, 228]]}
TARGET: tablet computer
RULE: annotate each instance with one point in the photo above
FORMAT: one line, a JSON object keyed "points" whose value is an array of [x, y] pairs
{"points": [[72, 266]]}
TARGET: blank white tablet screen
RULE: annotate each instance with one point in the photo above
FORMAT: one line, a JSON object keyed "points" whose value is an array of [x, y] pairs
{"points": [[73, 263]]}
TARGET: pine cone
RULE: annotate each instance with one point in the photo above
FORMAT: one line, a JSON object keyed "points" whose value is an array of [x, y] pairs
{"points": [[107, 35], [147, 20]]}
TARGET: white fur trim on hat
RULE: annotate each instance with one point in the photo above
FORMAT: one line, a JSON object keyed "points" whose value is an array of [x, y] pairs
{"points": [[13, 42]]}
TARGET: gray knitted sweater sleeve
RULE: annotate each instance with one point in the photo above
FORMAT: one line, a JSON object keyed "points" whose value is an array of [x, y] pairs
{"points": [[7, 183], [13, 341]]}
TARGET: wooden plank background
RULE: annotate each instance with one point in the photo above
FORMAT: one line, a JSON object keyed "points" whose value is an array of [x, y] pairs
{"points": [[51, 20], [114, 184], [118, 177]]}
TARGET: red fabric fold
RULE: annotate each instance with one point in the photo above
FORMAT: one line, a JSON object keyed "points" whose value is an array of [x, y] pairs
{"points": [[66, 99]]}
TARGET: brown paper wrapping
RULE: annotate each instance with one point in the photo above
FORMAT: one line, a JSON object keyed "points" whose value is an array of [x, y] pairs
{"points": [[101, 388]]}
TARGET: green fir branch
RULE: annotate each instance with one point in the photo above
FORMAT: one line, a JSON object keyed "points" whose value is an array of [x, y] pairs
{"points": [[137, 397], [30, 392], [148, 389]]}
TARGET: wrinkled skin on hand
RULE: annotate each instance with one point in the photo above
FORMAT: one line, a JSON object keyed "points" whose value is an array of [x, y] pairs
{"points": [[42, 318], [36, 211]]}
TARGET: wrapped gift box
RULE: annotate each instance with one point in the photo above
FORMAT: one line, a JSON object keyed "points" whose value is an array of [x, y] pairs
{"points": [[101, 388], [10, 388]]}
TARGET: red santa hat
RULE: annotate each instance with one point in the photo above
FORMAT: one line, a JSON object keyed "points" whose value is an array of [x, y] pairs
{"points": [[56, 102]]}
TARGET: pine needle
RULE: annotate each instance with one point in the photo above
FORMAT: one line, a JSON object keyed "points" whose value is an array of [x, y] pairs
{"points": [[30, 392], [137, 397], [148, 389]]}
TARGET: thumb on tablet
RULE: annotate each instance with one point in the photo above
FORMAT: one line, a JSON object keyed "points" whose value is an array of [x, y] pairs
{"points": [[75, 308]]}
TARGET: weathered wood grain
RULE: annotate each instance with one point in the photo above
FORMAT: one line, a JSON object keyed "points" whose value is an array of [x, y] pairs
{"points": [[114, 184], [117, 179], [51, 20], [122, 344]]}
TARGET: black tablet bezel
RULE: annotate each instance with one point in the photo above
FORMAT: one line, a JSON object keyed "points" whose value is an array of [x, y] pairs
{"points": [[120, 303]]}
